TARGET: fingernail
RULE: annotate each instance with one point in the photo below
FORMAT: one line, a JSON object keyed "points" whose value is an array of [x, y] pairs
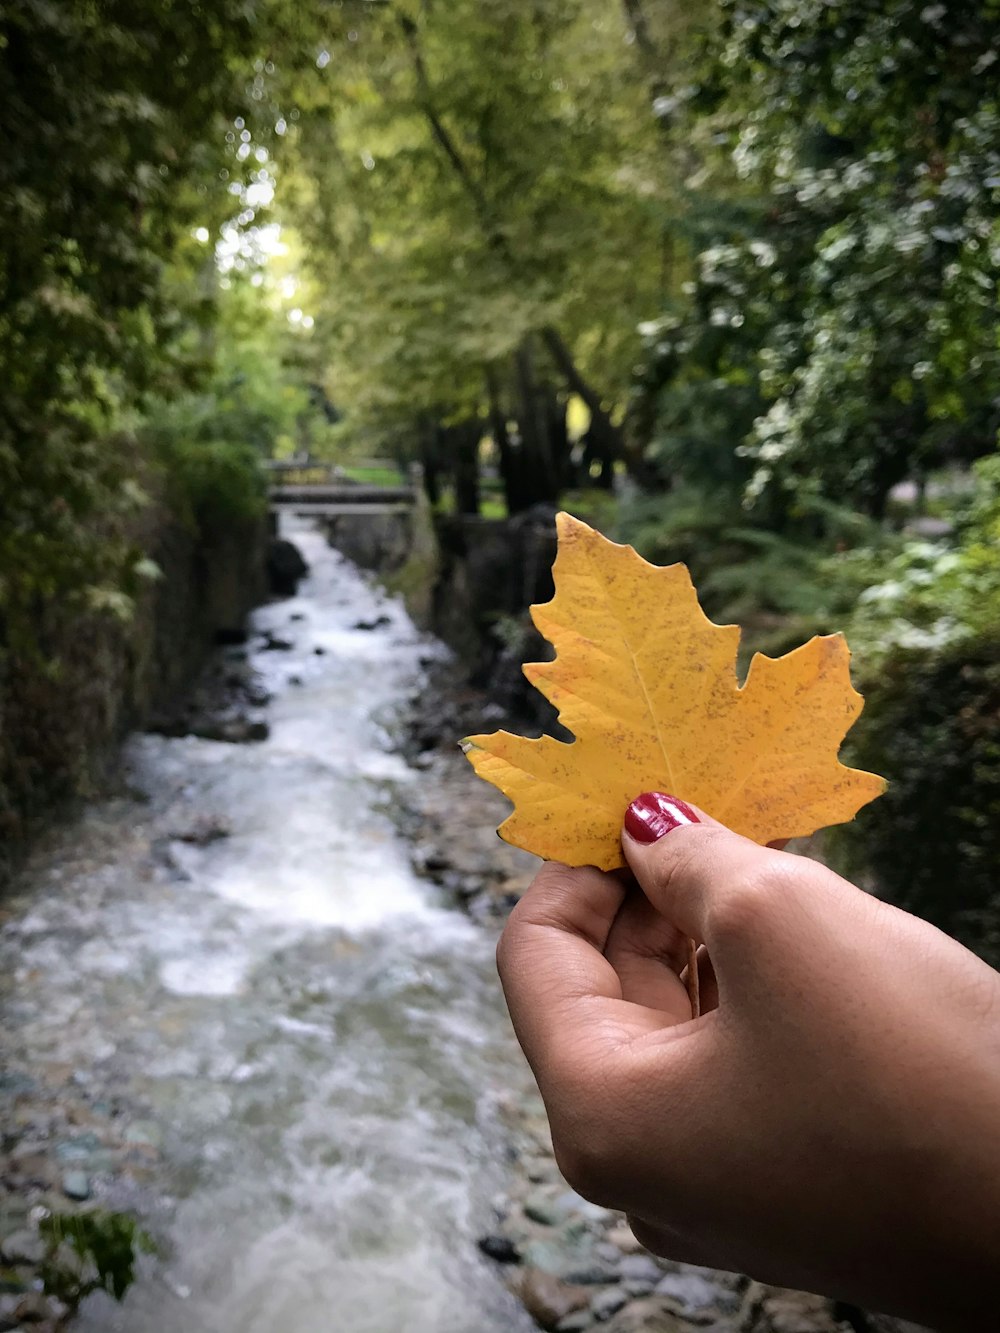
{"points": [[653, 815]]}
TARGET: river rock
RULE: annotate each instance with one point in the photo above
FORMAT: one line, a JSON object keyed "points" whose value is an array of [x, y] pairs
{"points": [[797, 1312], [593, 1274], [546, 1298], [23, 1247], [9, 1302], [651, 1316], [78, 1149], [633, 1288], [30, 1170], [607, 1303], [575, 1322], [33, 1309], [622, 1238], [204, 830], [639, 1268], [232, 731], [690, 1292], [76, 1185], [500, 1248], [146, 1133], [541, 1207], [285, 567], [548, 1256]]}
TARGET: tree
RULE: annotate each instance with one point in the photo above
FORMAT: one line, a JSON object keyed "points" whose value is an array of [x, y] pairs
{"points": [[115, 149], [847, 305], [478, 189]]}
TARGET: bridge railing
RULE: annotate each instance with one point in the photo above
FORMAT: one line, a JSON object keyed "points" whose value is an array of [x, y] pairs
{"points": [[325, 490]]}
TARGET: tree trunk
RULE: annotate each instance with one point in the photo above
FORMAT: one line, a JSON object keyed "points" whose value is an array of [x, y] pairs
{"points": [[464, 442], [606, 436], [558, 433], [510, 453], [430, 460], [539, 472]]}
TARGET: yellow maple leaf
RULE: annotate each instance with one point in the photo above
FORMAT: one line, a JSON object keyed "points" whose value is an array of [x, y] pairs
{"points": [[647, 684]]}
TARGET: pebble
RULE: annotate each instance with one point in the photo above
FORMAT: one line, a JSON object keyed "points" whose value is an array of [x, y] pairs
{"points": [[692, 1292], [635, 1288], [146, 1133], [542, 1208], [23, 1247], [500, 1248], [621, 1237], [548, 1256], [593, 1274], [33, 1309], [651, 1316], [575, 1322], [547, 1299], [78, 1149], [76, 1185], [796, 1312], [640, 1268], [608, 1302]]}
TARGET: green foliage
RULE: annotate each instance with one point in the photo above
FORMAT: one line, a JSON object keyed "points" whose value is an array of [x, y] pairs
{"points": [[90, 1251], [932, 844], [481, 197], [216, 483], [252, 402], [781, 587], [114, 148], [840, 330], [931, 595]]}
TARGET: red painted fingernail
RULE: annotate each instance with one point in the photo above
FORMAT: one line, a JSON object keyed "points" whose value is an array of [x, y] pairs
{"points": [[653, 815]]}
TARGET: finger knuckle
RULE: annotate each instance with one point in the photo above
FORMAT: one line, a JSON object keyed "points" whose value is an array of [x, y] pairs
{"points": [[746, 906]]}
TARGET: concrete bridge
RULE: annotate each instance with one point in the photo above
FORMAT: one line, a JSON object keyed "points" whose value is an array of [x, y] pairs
{"points": [[324, 491]]}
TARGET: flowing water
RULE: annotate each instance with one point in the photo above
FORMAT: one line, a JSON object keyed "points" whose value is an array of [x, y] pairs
{"points": [[315, 1041]]}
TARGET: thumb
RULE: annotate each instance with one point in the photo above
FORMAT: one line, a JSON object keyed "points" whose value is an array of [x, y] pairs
{"points": [[704, 879]]}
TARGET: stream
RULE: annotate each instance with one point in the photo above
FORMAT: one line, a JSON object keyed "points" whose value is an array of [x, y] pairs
{"points": [[305, 1043]]}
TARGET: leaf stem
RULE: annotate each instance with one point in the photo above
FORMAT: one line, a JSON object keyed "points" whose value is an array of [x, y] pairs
{"points": [[691, 978]]}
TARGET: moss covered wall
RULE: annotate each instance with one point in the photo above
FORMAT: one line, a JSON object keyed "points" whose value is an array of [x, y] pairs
{"points": [[64, 711]]}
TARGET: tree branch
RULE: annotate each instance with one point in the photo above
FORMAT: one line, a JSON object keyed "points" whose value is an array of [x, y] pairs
{"points": [[447, 144], [653, 61], [601, 422], [556, 347]]}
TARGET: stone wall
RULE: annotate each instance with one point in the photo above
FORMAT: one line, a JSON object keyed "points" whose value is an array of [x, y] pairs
{"points": [[401, 548], [470, 581], [64, 712]]}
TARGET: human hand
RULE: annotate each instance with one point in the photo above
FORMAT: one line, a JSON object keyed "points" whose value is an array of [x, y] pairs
{"points": [[831, 1121]]}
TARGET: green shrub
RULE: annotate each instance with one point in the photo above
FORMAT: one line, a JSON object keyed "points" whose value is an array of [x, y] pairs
{"points": [[926, 638], [215, 482], [932, 843]]}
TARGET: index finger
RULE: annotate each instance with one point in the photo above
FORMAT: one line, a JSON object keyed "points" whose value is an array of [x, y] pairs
{"points": [[564, 997]]}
